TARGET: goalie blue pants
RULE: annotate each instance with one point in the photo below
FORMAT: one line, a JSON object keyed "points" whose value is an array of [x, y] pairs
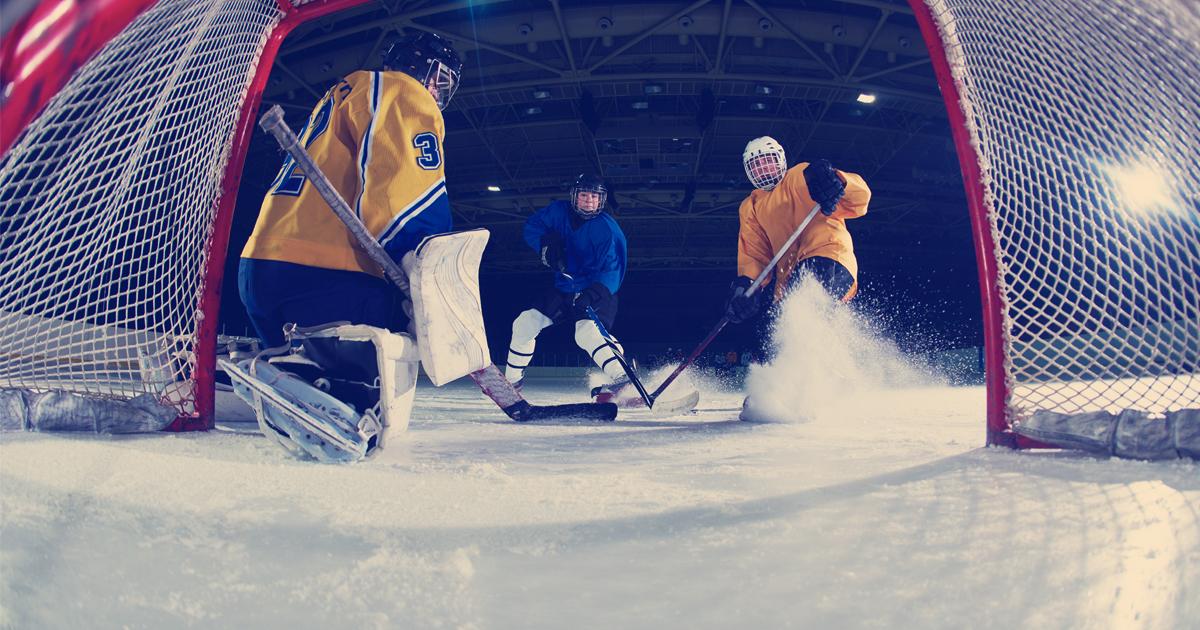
{"points": [[277, 293]]}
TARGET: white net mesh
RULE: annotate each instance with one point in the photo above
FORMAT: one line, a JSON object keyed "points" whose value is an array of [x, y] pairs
{"points": [[1086, 117], [107, 204]]}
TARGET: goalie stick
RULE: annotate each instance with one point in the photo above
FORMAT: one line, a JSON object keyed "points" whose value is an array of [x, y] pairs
{"points": [[750, 291], [489, 379]]}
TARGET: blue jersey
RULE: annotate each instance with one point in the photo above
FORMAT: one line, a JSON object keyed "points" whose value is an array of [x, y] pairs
{"points": [[595, 251]]}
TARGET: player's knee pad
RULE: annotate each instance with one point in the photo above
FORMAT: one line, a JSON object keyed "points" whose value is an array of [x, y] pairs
{"points": [[527, 325]]}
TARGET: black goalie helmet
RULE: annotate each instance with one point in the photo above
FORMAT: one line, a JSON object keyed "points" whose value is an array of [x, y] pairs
{"points": [[428, 59], [588, 195]]}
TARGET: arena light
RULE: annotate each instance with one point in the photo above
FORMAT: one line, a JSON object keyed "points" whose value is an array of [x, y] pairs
{"points": [[533, 111], [866, 98], [653, 88], [493, 188], [641, 105], [1140, 187], [758, 107], [541, 94]]}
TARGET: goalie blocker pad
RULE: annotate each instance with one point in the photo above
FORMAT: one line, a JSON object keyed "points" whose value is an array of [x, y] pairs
{"points": [[367, 378], [443, 276]]}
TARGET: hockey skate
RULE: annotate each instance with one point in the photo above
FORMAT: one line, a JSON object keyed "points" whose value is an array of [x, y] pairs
{"points": [[620, 392], [339, 398], [755, 412]]}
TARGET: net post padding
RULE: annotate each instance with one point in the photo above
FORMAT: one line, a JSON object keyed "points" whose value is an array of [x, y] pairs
{"points": [[35, 63]]}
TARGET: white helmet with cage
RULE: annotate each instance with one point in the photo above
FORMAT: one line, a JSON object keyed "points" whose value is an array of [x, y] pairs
{"points": [[765, 162]]}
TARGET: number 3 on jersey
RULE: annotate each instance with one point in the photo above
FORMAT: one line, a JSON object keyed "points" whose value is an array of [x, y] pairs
{"points": [[430, 157]]}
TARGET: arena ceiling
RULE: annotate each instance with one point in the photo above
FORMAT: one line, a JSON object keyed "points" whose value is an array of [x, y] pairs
{"points": [[661, 97]]}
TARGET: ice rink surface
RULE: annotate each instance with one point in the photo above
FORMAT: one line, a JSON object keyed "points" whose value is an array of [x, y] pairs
{"points": [[868, 503], [883, 511]]}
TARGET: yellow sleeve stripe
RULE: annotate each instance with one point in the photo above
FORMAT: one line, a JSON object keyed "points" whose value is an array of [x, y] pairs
{"points": [[364, 153], [426, 199]]}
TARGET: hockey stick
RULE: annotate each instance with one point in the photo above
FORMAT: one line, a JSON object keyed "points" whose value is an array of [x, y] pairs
{"points": [[670, 406], [489, 379], [762, 276], [619, 356]]}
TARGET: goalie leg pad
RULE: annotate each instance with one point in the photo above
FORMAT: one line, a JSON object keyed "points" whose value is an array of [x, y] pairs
{"points": [[354, 418], [304, 420], [443, 274], [383, 361]]}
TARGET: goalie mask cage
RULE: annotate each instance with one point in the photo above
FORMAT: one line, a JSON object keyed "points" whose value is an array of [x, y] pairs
{"points": [[1076, 124]]}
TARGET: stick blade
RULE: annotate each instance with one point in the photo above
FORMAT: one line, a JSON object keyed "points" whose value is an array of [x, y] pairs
{"points": [[662, 407], [571, 412], [683, 404]]}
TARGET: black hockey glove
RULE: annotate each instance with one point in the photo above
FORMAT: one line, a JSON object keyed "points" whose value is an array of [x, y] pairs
{"points": [[740, 306], [824, 185], [552, 252], [592, 296]]}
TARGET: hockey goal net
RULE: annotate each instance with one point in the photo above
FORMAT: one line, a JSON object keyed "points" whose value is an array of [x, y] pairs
{"points": [[1078, 130], [115, 202], [1077, 127]]}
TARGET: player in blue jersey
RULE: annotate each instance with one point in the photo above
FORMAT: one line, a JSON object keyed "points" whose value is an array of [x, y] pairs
{"points": [[585, 250], [378, 137]]}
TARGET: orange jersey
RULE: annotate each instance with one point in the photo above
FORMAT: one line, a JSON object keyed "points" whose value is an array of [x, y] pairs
{"points": [[768, 218]]}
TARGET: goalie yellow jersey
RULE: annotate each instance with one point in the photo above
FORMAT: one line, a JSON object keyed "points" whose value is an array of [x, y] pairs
{"points": [[378, 137]]}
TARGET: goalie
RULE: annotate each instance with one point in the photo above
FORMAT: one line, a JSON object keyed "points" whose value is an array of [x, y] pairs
{"points": [[378, 136], [337, 400]]}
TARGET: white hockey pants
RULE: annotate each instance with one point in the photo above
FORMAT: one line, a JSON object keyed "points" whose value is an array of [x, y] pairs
{"points": [[530, 323]]}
